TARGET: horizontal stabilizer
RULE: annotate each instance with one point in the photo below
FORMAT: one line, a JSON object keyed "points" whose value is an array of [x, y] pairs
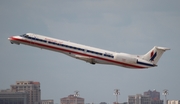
{"points": [[163, 48]]}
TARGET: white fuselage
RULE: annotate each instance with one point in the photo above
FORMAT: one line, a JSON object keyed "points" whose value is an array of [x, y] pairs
{"points": [[82, 52]]}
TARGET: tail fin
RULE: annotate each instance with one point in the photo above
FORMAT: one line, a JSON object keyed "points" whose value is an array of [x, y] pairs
{"points": [[154, 54]]}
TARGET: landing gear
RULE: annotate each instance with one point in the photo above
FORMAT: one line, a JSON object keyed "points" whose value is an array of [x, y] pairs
{"points": [[93, 63]]}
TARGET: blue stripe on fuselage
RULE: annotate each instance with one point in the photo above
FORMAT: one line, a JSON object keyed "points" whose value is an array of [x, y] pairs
{"points": [[143, 63]]}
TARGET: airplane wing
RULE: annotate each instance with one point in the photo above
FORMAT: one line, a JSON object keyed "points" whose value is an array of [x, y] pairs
{"points": [[84, 58]]}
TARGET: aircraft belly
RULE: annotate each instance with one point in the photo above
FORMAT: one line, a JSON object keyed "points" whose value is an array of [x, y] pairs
{"points": [[99, 61]]}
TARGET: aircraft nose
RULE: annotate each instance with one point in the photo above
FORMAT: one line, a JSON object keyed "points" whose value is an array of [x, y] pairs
{"points": [[10, 38], [13, 40]]}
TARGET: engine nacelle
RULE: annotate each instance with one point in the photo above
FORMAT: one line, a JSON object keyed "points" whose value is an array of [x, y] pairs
{"points": [[126, 58]]}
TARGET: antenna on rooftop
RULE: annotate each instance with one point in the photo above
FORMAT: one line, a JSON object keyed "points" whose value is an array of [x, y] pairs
{"points": [[76, 93], [116, 92], [165, 93]]}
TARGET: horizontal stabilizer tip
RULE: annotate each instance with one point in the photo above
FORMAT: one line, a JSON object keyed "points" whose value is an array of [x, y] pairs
{"points": [[163, 48]]}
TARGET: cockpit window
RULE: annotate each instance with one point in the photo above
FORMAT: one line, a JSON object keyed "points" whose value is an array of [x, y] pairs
{"points": [[24, 35]]}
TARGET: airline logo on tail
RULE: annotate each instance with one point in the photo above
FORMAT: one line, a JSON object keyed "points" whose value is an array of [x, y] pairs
{"points": [[153, 56]]}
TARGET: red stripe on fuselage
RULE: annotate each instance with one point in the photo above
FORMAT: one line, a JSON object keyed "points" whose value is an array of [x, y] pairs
{"points": [[70, 51]]}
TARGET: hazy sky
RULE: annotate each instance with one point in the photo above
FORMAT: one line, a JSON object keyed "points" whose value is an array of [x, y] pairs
{"points": [[132, 26]]}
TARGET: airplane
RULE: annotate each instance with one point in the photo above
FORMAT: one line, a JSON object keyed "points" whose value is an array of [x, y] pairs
{"points": [[90, 54]]}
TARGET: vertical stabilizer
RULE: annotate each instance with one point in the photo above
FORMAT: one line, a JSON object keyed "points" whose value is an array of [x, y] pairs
{"points": [[154, 54]]}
